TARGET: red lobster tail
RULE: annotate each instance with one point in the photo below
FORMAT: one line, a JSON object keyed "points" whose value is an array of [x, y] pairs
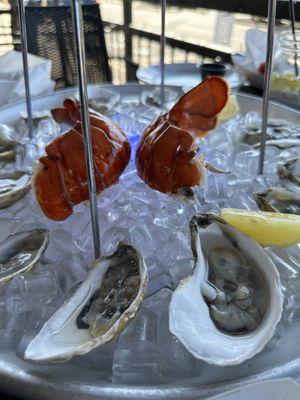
{"points": [[197, 110]]}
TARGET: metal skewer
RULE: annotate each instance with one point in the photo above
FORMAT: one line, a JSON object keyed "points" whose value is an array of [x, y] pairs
{"points": [[162, 54], [293, 23], [84, 109], [267, 76], [22, 22]]}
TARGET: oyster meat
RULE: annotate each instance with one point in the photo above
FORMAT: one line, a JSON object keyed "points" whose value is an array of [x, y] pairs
{"points": [[20, 252], [228, 309], [7, 144], [279, 133], [100, 308], [278, 200], [290, 171], [13, 186]]}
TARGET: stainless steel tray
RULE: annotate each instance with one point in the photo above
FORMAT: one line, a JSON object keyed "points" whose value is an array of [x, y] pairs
{"points": [[68, 381]]}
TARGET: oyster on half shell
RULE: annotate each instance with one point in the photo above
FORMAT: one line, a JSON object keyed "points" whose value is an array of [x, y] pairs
{"points": [[20, 252], [99, 309], [278, 200], [13, 186], [228, 309]]}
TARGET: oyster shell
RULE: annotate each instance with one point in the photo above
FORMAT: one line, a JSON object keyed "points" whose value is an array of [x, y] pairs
{"points": [[13, 186], [278, 200], [290, 170], [97, 311], [7, 144], [20, 252], [228, 309]]}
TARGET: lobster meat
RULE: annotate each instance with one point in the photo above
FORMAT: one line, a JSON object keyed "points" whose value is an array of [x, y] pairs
{"points": [[60, 179], [166, 157]]}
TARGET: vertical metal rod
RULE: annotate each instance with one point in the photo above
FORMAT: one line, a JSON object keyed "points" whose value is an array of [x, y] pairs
{"points": [[267, 76], [84, 108], [293, 23], [162, 54], [22, 22]]}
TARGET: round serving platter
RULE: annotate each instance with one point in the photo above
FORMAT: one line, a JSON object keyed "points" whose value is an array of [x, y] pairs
{"points": [[68, 381]]}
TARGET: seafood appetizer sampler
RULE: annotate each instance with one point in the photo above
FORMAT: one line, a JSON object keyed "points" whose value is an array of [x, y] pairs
{"points": [[21, 252], [166, 158], [232, 302], [60, 178], [224, 313], [100, 308]]}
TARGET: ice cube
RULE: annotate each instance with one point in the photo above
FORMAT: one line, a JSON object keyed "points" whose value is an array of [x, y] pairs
{"points": [[159, 301], [30, 291], [177, 361], [136, 359]]}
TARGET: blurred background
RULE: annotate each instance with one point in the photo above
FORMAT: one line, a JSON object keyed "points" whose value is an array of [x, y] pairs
{"points": [[197, 30]]}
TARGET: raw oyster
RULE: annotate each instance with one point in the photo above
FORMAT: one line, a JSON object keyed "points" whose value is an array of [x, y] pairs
{"points": [[7, 144], [13, 186], [20, 252], [290, 170], [277, 130], [6, 136], [228, 309], [278, 200], [7, 154], [100, 308]]}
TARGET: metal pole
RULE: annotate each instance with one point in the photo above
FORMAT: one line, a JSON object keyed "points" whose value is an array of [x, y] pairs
{"points": [[84, 108], [162, 54], [22, 22], [267, 76], [293, 23]]}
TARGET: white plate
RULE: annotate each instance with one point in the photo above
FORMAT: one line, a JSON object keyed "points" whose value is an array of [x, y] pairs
{"points": [[181, 74]]}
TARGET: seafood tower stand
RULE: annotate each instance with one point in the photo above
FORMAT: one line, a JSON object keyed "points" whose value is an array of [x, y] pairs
{"points": [[180, 293]]}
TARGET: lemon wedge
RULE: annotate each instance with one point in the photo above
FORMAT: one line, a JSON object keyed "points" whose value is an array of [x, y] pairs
{"points": [[230, 110], [267, 228]]}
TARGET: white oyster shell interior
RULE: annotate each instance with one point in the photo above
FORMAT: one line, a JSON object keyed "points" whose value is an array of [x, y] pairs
{"points": [[189, 317], [93, 315]]}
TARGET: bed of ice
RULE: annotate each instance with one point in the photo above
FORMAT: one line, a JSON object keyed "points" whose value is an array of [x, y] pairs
{"points": [[157, 224]]}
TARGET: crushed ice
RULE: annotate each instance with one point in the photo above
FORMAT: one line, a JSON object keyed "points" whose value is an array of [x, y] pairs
{"points": [[156, 224]]}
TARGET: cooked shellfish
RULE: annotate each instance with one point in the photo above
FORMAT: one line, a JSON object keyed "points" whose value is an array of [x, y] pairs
{"points": [[97, 312], [13, 186], [167, 155], [21, 252], [60, 179], [228, 309], [278, 200]]}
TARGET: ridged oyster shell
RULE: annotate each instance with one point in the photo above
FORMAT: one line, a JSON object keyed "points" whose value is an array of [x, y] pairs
{"points": [[20, 252], [13, 186], [228, 309], [278, 200], [100, 308]]}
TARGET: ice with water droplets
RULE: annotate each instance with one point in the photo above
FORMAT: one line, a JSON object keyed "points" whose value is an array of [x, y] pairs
{"points": [[158, 226]]}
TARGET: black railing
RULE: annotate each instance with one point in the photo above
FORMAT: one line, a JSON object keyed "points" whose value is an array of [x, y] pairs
{"points": [[130, 47]]}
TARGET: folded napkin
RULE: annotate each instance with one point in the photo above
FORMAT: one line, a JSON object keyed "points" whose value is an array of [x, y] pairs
{"points": [[12, 87]]}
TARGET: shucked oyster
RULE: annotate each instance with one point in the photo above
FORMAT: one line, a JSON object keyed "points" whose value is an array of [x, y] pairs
{"points": [[13, 186], [7, 144], [20, 252], [278, 200], [98, 310], [228, 309], [290, 171]]}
